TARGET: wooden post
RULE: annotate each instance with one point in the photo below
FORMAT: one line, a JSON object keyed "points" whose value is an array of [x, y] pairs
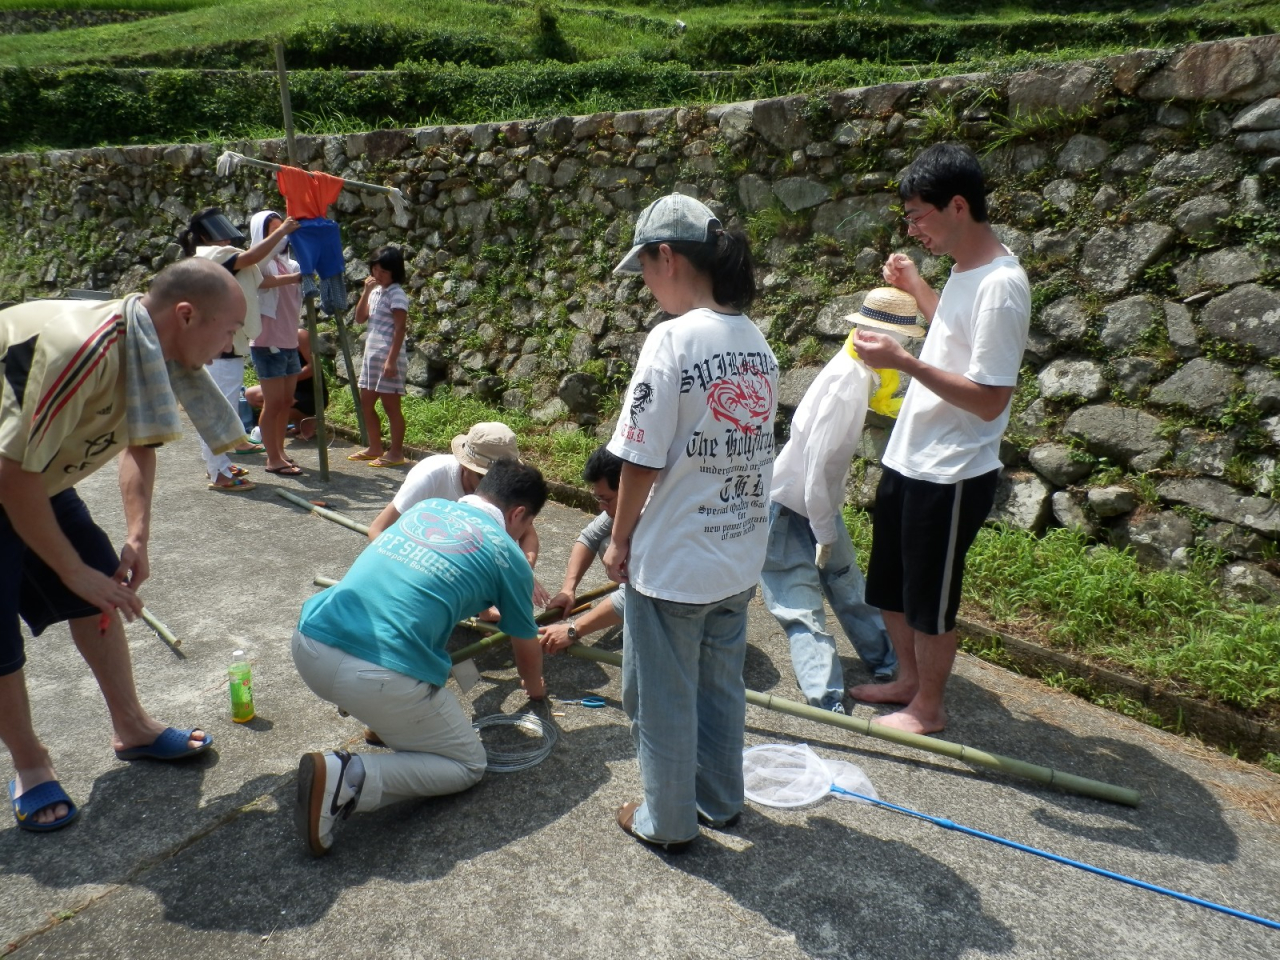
{"points": [[344, 342], [317, 387], [286, 106]]}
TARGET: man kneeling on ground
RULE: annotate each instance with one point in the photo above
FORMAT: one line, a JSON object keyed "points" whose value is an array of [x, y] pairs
{"points": [[602, 472], [374, 645]]}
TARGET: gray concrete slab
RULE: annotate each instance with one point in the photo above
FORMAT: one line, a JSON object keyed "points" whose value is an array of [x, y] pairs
{"points": [[201, 860]]}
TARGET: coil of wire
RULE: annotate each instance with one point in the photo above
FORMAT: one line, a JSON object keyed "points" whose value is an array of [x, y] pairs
{"points": [[502, 759]]}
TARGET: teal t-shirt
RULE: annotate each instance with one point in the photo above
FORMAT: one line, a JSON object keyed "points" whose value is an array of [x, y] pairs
{"points": [[398, 604]]}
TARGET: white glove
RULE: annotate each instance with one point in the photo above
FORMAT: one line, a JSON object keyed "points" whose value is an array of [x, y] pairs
{"points": [[822, 556]]}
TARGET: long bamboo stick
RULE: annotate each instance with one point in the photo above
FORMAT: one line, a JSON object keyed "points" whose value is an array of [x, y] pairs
{"points": [[497, 637], [333, 515], [977, 758]]}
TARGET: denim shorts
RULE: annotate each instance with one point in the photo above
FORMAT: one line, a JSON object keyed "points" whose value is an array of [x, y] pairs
{"points": [[28, 587], [284, 362]]}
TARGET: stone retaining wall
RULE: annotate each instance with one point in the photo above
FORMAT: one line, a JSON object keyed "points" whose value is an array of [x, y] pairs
{"points": [[1140, 192]]}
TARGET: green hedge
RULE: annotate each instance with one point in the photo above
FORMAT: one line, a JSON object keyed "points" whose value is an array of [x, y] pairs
{"points": [[87, 106], [891, 40]]}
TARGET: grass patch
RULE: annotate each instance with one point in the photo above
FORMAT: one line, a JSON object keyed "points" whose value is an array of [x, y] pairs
{"points": [[1162, 626], [432, 424]]}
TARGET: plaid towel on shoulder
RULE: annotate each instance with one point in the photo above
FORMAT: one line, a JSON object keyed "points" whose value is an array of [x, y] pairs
{"points": [[154, 388]]}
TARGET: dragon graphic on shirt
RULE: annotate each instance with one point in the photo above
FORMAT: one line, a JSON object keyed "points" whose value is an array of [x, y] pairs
{"points": [[744, 401], [640, 398]]}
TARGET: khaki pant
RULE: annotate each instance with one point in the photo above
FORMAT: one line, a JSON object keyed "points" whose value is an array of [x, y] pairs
{"points": [[436, 750]]}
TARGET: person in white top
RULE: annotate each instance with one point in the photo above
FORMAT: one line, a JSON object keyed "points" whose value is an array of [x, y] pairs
{"points": [[451, 476], [810, 554], [941, 465], [692, 518]]}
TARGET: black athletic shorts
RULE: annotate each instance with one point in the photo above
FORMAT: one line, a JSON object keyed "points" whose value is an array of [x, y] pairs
{"points": [[304, 397], [920, 534], [28, 588]]}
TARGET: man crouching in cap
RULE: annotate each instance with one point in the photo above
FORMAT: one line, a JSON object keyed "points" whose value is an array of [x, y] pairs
{"points": [[374, 645], [452, 476]]}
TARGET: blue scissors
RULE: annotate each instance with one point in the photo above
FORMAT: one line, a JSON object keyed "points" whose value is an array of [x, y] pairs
{"points": [[592, 703]]}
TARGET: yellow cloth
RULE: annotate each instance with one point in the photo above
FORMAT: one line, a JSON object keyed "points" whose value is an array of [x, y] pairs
{"points": [[882, 399]]}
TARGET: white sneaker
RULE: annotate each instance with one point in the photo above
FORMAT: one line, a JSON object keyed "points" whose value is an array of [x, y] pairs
{"points": [[255, 435], [324, 798]]}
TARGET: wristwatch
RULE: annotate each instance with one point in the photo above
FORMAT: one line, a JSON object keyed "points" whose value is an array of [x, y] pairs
{"points": [[572, 632]]}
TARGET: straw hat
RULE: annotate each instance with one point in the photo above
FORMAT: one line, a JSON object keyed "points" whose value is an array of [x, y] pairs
{"points": [[888, 308], [484, 443]]}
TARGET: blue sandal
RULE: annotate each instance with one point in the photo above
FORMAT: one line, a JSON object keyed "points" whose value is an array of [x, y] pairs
{"points": [[38, 798], [170, 745]]}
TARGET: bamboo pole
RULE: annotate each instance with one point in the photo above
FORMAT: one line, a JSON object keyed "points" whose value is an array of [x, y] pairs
{"points": [[318, 387], [286, 105], [977, 758], [333, 515], [344, 343], [496, 636], [162, 631]]}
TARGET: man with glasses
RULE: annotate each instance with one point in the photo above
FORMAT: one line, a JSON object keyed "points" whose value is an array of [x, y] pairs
{"points": [[941, 466], [601, 473]]}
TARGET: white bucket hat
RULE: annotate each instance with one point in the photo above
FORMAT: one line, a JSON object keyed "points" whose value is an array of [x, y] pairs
{"points": [[888, 308], [484, 443], [675, 217]]}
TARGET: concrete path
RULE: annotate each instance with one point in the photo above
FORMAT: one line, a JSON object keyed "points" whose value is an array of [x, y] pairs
{"points": [[201, 860]]}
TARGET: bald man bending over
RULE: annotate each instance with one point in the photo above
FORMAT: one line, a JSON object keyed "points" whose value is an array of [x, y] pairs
{"points": [[80, 382]]}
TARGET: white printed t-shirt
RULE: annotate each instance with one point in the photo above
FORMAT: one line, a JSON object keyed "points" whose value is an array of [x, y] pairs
{"points": [[700, 409], [438, 477], [979, 330]]}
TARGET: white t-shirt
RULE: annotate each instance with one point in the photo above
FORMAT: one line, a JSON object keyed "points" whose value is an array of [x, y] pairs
{"points": [[435, 477], [979, 330], [811, 469], [700, 409]]}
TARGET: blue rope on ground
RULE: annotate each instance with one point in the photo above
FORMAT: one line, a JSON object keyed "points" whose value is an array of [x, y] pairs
{"points": [[952, 825]]}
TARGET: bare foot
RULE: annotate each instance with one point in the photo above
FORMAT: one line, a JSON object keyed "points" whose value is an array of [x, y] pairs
{"points": [[912, 723], [29, 780], [144, 736], [896, 692]]}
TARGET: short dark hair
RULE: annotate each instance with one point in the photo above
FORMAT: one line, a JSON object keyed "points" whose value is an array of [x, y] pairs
{"points": [[726, 259], [944, 171], [390, 259], [510, 483], [603, 465]]}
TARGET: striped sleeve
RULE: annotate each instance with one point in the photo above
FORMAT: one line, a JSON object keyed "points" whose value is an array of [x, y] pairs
{"points": [[46, 407]]}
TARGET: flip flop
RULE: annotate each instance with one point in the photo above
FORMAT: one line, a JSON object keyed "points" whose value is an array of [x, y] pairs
{"points": [[237, 485], [170, 745], [39, 797], [381, 462], [247, 451], [292, 470], [238, 471], [364, 456]]}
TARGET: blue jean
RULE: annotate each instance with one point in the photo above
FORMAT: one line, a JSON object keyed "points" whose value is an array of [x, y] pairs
{"points": [[793, 591], [682, 688]]}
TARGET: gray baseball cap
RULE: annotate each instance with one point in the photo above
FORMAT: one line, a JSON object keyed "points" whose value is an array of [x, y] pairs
{"points": [[675, 217]]}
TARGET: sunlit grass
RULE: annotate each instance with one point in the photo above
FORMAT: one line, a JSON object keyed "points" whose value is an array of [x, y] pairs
{"points": [[1097, 601], [432, 425]]}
